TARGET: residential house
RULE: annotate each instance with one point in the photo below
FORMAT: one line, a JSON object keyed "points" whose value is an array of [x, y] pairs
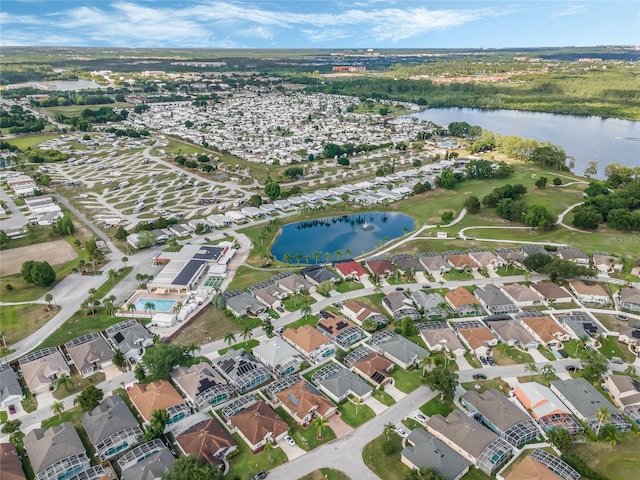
{"points": [[89, 353], [546, 408], [485, 258], [423, 450], [56, 453], [630, 298], [574, 255], [130, 337], [434, 263], [460, 261], [541, 465], [510, 257], [552, 293], [241, 303], [351, 270], [399, 305], [204, 437], [358, 312], [317, 274], [10, 389], [149, 461], [528, 250], [584, 400], [605, 263], [463, 303], [512, 332], [339, 329], [398, 349], [625, 393], [181, 230], [370, 365], [503, 417], [471, 440], [438, 336], [111, 427], [41, 368], [202, 385], [243, 372], [270, 295], [545, 330], [379, 267], [292, 282], [338, 383], [494, 301], [159, 395], [476, 336], [432, 305], [280, 357], [311, 342], [303, 401], [580, 323], [259, 424], [405, 262], [590, 293], [10, 464], [522, 295]]}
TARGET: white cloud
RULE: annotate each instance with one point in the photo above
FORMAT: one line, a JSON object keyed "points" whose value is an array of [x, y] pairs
{"points": [[570, 10], [257, 32], [325, 35]]}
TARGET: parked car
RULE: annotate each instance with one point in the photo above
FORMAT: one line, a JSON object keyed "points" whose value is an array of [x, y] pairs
{"points": [[573, 368], [12, 409], [483, 360], [622, 316], [491, 361], [400, 289], [260, 476], [617, 360], [426, 287], [421, 418], [402, 432], [479, 376], [290, 440]]}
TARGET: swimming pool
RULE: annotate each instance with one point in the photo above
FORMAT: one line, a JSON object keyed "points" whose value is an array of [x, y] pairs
{"points": [[160, 305]]}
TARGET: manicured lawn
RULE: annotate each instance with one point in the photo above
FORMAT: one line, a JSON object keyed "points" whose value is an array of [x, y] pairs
{"points": [[620, 462], [383, 397], [31, 141], [107, 286], [211, 324], [476, 474], [571, 347], [509, 270], [484, 385], [72, 415], [306, 438], [472, 360], [293, 303], [30, 403], [245, 277], [247, 345], [434, 407], [4, 416], [456, 275], [541, 379], [349, 286], [612, 348], [325, 474], [350, 417], [511, 356], [384, 460], [18, 321], [306, 320], [78, 385], [246, 464], [406, 380]]}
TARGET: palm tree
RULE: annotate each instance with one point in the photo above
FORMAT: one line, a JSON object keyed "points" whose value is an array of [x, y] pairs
{"points": [[503, 348], [47, 298], [630, 370], [286, 257], [131, 308], [327, 256], [192, 349], [338, 254], [603, 415], [267, 326], [124, 261], [297, 256], [611, 434], [306, 311], [112, 274], [307, 258], [319, 422], [177, 307], [149, 307], [548, 371], [411, 274], [389, 428], [316, 255], [424, 363], [65, 381], [57, 408], [247, 333], [532, 369], [377, 286], [229, 338], [347, 252], [268, 447]]}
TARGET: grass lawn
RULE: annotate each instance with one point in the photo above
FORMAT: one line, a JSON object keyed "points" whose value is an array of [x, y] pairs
{"points": [[434, 407], [610, 321], [4, 416], [30, 141], [383, 397], [306, 438], [72, 415], [385, 465], [107, 286], [325, 474], [456, 275], [511, 356], [348, 286], [509, 270], [349, 416], [246, 464], [612, 348], [18, 321], [476, 474], [571, 347], [406, 380], [620, 462], [472, 360], [78, 385], [541, 379], [30, 403], [482, 386], [245, 277], [306, 320], [212, 324], [292, 303], [247, 345]]}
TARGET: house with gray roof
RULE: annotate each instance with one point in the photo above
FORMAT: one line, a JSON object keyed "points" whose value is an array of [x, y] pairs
{"points": [[202, 385], [512, 332], [89, 353], [630, 298], [10, 389], [111, 427], [405, 262], [241, 303], [338, 383], [503, 417], [400, 306], [522, 295], [574, 255], [398, 349], [584, 401], [130, 337], [292, 282], [149, 461], [56, 452], [472, 440], [269, 295], [280, 357], [510, 257], [528, 250], [242, 370], [434, 262], [494, 301], [424, 450], [317, 274], [625, 392], [431, 304]]}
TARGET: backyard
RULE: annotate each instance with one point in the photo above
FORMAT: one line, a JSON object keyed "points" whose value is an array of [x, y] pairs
{"points": [[18, 321], [619, 462]]}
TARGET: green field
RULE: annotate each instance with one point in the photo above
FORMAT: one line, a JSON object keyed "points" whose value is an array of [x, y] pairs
{"points": [[18, 321], [619, 462], [30, 141]]}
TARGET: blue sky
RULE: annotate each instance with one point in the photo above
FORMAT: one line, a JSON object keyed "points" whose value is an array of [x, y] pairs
{"points": [[319, 23]]}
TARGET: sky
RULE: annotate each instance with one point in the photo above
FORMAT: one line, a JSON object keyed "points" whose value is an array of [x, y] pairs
{"points": [[318, 23]]}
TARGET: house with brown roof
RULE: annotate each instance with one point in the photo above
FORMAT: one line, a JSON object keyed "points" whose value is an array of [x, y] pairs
{"points": [[438, 336], [522, 295], [259, 424], [10, 465], [546, 331], [311, 342], [380, 267], [574, 255], [351, 270], [304, 402], [552, 293], [461, 261], [206, 439], [478, 339], [463, 302], [358, 312], [292, 283], [41, 368], [630, 298], [625, 393], [589, 293], [159, 395], [485, 258], [270, 296], [375, 368], [339, 329], [434, 263], [512, 332], [89, 353], [606, 263]]}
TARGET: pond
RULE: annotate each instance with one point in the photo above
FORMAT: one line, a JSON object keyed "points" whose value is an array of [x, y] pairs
{"points": [[341, 236], [62, 85]]}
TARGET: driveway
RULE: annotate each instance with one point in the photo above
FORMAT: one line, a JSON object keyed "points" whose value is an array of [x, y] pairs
{"points": [[392, 390], [291, 451], [338, 426], [375, 405], [462, 363]]}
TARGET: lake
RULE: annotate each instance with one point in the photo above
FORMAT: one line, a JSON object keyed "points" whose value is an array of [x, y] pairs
{"points": [[360, 233], [61, 85], [605, 140]]}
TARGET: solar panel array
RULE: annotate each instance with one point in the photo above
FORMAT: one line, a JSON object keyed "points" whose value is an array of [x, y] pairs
{"points": [[89, 337], [120, 326], [30, 357]]}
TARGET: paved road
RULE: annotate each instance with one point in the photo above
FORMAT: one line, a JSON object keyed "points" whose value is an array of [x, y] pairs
{"points": [[17, 218]]}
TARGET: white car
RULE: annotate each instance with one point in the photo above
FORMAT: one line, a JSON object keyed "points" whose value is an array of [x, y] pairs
{"points": [[289, 440], [402, 432], [421, 418], [345, 299]]}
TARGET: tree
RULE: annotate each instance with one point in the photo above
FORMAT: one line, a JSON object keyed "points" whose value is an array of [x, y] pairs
{"points": [[48, 298], [267, 327], [89, 398], [541, 182], [447, 179], [538, 217], [57, 408], [447, 217], [268, 448], [587, 217], [532, 369], [548, 371], [272, 190], [124, 261], [38, 273], [324, 288], [408, 328], [4, 238], [370, 325], [306, 310], [11, 426], [593, 363], [149, 307], [603, 415], [560, 270], [424, 363], [229, 338], [557, 181], [190, 467], [112, 274], [163, 358], [444, 380], [592, 169], [286, 257], [157, 424], [609, 433], [424, 473], [561, 438], [247, 332], [65, 381], [119, 360], [121, 233], [319, 423], [472, 204], [630, 370], [537, 261], [140, 373], [255, 200]]}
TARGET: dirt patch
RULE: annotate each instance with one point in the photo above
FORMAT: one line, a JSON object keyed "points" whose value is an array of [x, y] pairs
{"points": [[56, 252]]}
